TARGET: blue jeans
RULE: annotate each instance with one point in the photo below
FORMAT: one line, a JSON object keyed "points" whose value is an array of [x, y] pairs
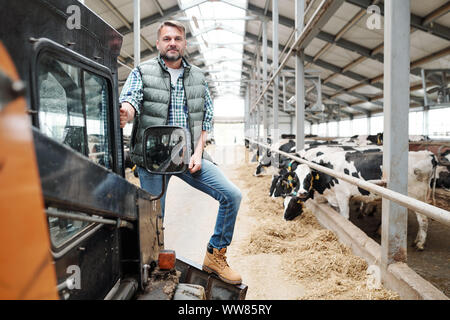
{"points": [[213, 182]]}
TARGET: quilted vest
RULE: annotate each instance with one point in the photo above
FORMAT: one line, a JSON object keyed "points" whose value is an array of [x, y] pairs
{"points": [[156, 102]]}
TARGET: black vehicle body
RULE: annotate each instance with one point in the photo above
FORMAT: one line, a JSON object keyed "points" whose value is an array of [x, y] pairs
{"points": [[113, 259]]}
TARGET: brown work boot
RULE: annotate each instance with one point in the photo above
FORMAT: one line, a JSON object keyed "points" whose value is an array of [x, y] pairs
{"points": [[216, 262]]}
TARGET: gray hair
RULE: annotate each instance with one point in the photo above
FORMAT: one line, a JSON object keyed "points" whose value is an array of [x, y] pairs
{"points": [[172, 23]]}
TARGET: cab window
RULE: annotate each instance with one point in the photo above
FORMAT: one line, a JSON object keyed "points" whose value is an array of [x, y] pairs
{"points": [[96, 90], [73, 107]]}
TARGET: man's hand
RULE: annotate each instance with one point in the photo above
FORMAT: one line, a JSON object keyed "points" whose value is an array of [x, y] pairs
{"points": [[126, 114], [195, 164]]}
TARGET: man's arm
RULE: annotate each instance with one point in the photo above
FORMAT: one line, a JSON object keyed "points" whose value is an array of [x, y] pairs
{"points": [[131, 97], [196, 160], [195, 163], [208, 111], [127, 113]]}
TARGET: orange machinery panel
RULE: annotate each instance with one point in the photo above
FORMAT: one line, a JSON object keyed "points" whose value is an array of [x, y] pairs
{"points": [[26, 264]]}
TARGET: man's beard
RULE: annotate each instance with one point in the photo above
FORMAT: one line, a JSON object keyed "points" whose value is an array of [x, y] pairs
{"points": [[171, 58]]}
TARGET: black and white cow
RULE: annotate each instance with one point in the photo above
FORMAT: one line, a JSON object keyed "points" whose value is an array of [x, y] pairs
{"points": [[442, 172], [364, 139], [367, 165], [281, 181], [268, 158], [257, 150], [418, 138]]}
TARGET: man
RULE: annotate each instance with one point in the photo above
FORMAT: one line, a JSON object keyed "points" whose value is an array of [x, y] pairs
{"points": [[168, 90]]}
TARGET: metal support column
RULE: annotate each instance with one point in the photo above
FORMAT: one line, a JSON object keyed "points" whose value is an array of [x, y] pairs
{"points": [[264, 78], [137, 32], [338, 122], [276, 82], [395, 139], [426, 120], [283, 81], [256, 111], [299, 78], [247, 112]]}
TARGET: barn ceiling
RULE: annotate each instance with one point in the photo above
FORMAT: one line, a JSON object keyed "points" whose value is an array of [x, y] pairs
{"points": [[225, 40]]}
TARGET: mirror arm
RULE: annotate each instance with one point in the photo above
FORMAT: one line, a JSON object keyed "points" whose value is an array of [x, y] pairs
{"points": [[163, 189]]}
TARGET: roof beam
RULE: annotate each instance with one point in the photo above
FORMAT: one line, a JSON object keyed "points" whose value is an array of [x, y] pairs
{"points": [[375, 54], [122, 18], [413, 67], [362, 81], [332, 86], [154, 18], [417, 22], [436, 14], [325, 36], [330, 67], [335, 87], [158, 6]]}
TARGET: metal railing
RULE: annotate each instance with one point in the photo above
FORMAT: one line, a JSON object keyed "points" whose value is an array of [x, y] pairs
{"points": [[430, 211]]}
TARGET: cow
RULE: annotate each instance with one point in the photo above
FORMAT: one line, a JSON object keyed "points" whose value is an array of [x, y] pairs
{"points": [[257, 150], [268, 158], [442, 178], [367, 165], [287, 136], [280, 181], [364, 140], [442, 175], [418, 138]]}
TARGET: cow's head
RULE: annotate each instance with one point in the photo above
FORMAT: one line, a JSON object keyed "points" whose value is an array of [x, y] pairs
{"points": [[285, 182], [285, 185], [444, 159], [264, 160], [273, 185], [259, 170], [304, 182], [380, 138], [376, 138], [293, 207], [444, 178]]}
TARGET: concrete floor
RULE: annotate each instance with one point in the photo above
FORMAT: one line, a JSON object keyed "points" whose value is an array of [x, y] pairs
{"points": [[433, 264], [191, 214], [189, 223]]}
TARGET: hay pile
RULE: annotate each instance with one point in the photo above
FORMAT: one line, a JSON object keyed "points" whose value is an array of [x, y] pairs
{"points": [[311, 254]]}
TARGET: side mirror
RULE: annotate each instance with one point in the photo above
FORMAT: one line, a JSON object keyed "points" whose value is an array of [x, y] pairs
{"points": [[166, 150]]}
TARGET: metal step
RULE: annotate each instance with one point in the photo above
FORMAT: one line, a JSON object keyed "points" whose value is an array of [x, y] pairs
{"points": [[215, 288]]}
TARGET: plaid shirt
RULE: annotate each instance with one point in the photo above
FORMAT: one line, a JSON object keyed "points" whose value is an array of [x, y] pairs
{"points": [[132, 92]]}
